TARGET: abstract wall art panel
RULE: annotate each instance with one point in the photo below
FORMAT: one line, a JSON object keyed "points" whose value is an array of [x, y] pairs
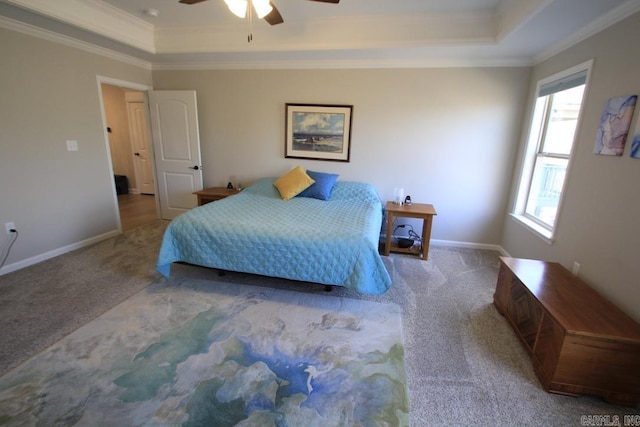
{"points": [[635, 144], [615, 122]]}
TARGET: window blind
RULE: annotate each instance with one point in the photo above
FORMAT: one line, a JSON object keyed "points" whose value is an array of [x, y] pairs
{"points": [[564, 83]]}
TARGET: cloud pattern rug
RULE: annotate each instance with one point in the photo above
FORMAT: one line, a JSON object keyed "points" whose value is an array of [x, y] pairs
{"points": [[201, 353]]}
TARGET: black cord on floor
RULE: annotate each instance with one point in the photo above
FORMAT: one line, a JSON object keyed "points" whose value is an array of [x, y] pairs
{"points": [[412, 234], [15, 234]]}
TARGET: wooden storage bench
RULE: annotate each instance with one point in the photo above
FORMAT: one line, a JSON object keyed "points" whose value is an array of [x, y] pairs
{"points": [[579, 342]]}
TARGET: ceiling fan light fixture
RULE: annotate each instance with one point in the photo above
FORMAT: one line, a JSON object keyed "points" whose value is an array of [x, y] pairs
{"points": [[237, 7], [262, 7]]}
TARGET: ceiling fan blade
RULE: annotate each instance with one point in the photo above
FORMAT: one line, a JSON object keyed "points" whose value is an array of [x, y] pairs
{"points": [[328, 1], [274, 17], [191, 1]]}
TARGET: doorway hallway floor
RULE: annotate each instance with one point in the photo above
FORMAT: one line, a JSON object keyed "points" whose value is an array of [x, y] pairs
{"points": [[136, 210]]}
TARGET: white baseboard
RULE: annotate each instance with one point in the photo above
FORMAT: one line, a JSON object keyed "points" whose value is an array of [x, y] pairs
{"points": [[54, 253], [455, 244]]}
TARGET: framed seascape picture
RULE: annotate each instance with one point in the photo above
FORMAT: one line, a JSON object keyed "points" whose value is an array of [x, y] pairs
{"points": [[318, 132]]}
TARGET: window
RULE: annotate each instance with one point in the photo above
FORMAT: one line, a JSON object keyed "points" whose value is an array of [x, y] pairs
{"points": [[554, 121]]}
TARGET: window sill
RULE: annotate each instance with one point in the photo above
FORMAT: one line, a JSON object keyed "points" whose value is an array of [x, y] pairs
{"points": [[534, 228]]}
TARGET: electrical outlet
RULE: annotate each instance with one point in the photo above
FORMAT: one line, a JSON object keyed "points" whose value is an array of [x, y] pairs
{"points": [[576, 268], [8, 226]]}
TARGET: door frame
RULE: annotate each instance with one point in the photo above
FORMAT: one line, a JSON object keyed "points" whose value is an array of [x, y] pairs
{"points": [[134, 86]]}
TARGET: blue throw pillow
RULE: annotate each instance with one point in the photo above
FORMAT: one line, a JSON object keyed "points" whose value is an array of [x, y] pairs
{"points": [[322, 187]]}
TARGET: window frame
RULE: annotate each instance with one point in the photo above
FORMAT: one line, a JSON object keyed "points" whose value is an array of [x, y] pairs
{"points": [[533, 152]]}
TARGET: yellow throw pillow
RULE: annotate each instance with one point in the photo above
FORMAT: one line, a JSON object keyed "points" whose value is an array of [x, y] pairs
{"points": [[293, 183]]}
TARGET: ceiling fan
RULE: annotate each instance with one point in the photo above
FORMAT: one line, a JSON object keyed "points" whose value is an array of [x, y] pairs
{"points": [[265, 9]]}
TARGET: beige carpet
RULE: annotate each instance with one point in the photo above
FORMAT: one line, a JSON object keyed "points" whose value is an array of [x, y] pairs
{"points": [[464, 364], [47, 301]]}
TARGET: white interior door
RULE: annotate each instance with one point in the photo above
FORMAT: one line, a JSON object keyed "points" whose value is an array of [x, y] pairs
{"points": [[140, 142], [176, 143]]}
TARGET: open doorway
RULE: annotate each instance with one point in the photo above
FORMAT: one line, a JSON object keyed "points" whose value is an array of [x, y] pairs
{"points": [[129, 142]]}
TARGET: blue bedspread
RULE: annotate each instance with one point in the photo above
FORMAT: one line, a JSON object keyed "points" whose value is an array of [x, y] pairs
{"points": [[332, 242]]}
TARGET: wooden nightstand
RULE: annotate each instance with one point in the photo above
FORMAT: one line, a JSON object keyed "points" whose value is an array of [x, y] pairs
{"points": [[214, 193], [414, 210]]}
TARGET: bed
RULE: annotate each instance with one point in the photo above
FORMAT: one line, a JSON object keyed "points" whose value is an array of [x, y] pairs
{"points": [[331, 242]]}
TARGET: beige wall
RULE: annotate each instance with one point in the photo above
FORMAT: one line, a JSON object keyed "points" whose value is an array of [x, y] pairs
{"points": [[50, 95], [448, 136], [598, 222]]}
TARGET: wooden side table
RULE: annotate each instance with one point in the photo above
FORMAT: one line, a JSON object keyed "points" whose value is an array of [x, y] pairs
{"points": [[214, 193], [414, 210]]}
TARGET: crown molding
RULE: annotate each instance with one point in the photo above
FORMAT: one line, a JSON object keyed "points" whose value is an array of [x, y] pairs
{"points": [[407, 41], [325, 64], [51, 36], [273, 64], [324, 33], [98, 17]]}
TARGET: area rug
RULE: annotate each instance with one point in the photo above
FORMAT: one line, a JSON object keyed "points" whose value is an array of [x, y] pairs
{"points": [[202, 353]]}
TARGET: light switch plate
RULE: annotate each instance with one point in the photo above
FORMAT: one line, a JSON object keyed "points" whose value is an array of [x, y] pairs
{"points": [[72, 145]]}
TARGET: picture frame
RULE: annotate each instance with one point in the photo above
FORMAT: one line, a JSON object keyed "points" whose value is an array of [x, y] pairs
{"points": [[635, 143], [318, 132], [615, 123]]}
